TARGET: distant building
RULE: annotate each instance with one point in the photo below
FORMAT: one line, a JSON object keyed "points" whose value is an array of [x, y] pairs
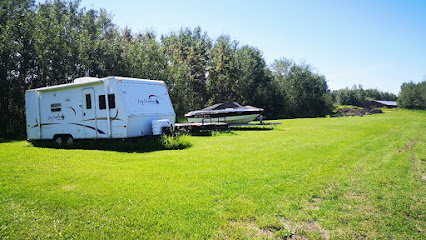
{"points": [[381, 104]]}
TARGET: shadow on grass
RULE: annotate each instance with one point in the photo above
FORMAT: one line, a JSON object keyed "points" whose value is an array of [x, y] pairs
{"points": [[233, 131], [139, 145], [210, 133], [10, 140], [253, 129]]}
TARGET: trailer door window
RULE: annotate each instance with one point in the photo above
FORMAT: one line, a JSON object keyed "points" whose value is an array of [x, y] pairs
{"points": [[111, 101], [55, 107], [88, 101]]}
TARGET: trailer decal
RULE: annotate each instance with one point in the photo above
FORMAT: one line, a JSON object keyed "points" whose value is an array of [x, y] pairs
{"points": [[47, 124], [75, 114], [99, 131], [57, 117], [102, 118], [82, 125], [152, 99], [36, 125], [44, 124], [116, 115]]}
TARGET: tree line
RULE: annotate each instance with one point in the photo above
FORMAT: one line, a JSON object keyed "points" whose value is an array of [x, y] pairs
{"points": [[357, 96], [57, 41], [413, 96]]}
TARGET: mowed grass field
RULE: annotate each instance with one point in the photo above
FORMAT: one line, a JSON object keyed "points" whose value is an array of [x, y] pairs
{"points": [[323, 178]]}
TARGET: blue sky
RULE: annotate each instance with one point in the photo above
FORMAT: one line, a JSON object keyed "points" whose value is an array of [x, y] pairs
{"points": [[378, 44]]}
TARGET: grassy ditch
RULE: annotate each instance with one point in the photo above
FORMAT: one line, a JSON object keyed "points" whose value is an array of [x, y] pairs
{"points": [[323, 178]]}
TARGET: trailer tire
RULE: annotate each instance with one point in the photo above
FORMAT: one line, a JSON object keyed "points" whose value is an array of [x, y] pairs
{"points": [[58, 139], [69, 140]]}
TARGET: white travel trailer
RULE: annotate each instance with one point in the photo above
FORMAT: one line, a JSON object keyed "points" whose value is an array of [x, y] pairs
{"points": [[91, 108]]}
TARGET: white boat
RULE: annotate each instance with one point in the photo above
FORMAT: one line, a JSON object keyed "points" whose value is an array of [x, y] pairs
{"points": [[232, 113]]}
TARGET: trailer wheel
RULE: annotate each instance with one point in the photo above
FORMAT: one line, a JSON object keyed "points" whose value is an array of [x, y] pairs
{"points": [[58, 140], [69, 140]]}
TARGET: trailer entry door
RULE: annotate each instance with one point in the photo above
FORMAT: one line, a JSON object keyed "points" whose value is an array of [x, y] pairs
{"points": [[89, 114]]}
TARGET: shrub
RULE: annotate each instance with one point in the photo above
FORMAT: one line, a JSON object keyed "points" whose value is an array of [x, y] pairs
{"points": [[175, 142]]}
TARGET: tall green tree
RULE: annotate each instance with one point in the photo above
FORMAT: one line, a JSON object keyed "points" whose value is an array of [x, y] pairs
{"points": [[17, 65], [56, 43], [188, 56], [413, 96], [254, 83], [47, 44], [305, 93], [143, 56], [223, 72], [99, 45]]}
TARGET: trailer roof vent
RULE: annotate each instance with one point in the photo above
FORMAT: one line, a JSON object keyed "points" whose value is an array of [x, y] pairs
{"points": [[85, 79]]}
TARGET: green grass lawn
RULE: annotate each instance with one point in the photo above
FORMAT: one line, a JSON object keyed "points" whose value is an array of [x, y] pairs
{"points": [[323, 178]]}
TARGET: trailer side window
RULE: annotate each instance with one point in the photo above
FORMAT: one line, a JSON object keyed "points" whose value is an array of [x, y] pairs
{"points": [[111, 101], [55, 107], [88, 101]]}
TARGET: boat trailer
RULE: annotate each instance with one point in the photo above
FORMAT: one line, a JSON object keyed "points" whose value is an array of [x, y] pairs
{"points": [[217, 126]]}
